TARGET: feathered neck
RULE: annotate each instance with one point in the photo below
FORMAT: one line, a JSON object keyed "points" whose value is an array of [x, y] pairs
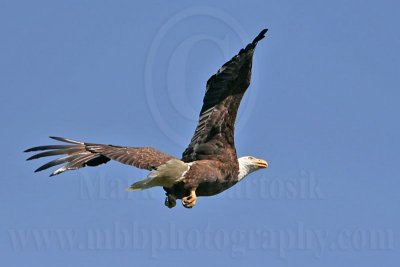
{"points": [[245, 168]]}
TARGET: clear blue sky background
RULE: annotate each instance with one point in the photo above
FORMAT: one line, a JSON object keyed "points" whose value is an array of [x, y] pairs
{"points": [[323, 109]]}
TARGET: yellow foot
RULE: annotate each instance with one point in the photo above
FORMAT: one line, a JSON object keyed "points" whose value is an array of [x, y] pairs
{"points": [[190, 201], [170, 201]]}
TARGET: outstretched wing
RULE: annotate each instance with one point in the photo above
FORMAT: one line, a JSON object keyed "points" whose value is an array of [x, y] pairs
{"points": [[80, 154], [214, 135]]}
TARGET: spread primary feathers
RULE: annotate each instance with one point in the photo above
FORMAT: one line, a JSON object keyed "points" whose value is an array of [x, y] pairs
{"points": [[208, 166]]}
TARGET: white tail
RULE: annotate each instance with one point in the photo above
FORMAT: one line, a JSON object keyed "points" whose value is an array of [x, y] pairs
{"points": [[165, 175]]}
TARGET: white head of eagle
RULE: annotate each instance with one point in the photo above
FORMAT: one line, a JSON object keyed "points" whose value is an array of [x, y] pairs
{"points": [[209, 164], [249, 164]]}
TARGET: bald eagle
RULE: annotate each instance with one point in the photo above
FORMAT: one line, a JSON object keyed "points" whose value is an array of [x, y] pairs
{"points": [[208, 166]]}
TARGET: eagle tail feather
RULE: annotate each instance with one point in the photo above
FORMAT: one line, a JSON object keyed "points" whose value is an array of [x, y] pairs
{"points": [[141, 185], [165, 175]]}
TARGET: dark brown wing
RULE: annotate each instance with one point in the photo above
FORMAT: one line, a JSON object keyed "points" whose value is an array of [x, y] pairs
{"points": [[214, 135], [79, 155]]}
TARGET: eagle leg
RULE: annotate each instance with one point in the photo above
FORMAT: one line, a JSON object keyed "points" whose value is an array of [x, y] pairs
{"points": [[170, 201], [190, 201]]}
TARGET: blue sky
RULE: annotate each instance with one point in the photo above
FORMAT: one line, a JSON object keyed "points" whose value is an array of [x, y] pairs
{"points": [[322, 109]]}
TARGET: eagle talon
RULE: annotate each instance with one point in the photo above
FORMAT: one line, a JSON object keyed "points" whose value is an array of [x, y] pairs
{"points": [[189, 201], [209, 162], [170, 201]]}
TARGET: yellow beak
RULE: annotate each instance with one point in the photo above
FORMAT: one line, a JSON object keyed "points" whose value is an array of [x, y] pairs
{"points": [[262, 163]]}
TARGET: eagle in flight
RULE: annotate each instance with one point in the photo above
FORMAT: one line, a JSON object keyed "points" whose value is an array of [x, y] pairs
{"points": [[208, 166]]}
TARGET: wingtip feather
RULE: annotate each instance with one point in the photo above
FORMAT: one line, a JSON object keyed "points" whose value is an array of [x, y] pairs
{"points": [[66, 140], [260, 36], [31, 158], [59, 170], [29, 149]]}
